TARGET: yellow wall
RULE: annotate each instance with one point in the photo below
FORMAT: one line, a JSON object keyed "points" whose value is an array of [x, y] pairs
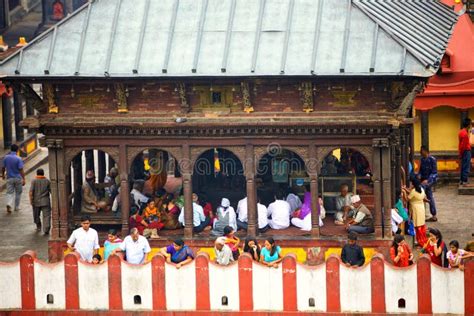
{"points": [[444, 124], [417, 133]]}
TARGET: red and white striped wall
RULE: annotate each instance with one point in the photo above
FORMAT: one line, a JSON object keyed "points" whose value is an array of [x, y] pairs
{"points": [[30, 285]]}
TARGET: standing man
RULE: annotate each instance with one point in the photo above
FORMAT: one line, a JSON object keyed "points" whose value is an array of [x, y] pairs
{"points": [[39, 200], [84, 240], [13, 165], [428, 176], [465, 150], [135, 246]]}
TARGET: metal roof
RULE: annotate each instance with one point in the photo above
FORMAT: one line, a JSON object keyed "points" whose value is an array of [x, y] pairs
{"points": [[175, 38]]}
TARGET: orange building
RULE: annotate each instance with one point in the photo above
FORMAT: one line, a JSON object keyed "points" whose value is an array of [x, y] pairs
{"points": [[449, 96]]}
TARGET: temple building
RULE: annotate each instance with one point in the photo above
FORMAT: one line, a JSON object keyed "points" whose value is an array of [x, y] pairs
{"points": [[229, 99]]}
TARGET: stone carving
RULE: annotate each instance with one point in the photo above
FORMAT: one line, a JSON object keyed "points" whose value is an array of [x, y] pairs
{"points": [[121, 96], [50, 99], [183, 98], [307, 97], [248, 108]]}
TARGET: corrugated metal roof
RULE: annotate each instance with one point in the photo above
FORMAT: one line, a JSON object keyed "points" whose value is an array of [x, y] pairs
{"points": [[174, 38]]}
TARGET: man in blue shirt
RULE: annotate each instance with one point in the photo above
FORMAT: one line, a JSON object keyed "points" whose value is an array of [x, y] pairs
{"points": [[13, 165], [428, 176]]}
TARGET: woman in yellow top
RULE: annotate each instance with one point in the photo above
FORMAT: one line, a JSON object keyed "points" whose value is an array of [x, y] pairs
{"points": [[416, 198]]}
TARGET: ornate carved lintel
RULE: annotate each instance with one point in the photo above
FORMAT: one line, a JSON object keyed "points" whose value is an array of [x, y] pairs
{"points": [[248, 108], [54, 143], [182, 96], [50, 99], [307, 97], [121, 95], [381, 142]]}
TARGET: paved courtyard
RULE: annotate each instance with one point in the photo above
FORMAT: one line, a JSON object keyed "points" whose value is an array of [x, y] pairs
{"points": [[18, 233]]}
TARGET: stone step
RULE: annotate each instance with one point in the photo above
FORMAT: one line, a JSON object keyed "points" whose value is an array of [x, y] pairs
{"points": [[466, 189]]}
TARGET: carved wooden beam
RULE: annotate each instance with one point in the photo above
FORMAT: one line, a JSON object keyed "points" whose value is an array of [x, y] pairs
{"points": [[121, 96], [49, 98], [244, 87], [30, 96], [307, 97], [407, 102], [183, 98]]}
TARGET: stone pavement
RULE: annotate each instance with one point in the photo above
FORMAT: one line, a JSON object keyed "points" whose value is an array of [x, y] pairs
{"points": [[18, 233]]}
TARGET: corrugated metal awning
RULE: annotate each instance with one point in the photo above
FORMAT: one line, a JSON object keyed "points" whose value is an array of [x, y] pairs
{"points": [[199, 38]]}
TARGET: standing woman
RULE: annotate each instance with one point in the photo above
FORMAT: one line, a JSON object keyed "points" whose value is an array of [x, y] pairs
{"points": [[252, 247], [400, 252], [436, 248], [271, 253], [416, 196]]}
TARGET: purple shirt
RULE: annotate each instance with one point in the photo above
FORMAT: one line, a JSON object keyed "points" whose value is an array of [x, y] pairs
{"points": [[180, 255], [306, 207], [13, 164]]}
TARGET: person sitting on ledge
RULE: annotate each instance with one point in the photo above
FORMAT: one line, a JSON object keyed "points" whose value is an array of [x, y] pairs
{"points": [[279, 211], [178, 253], [153, 217], [135, 246], [362, 221], [270, 254], [200, 222], [302, 216], [343, 204], [352, 254], [225, 217], [223, 252]]}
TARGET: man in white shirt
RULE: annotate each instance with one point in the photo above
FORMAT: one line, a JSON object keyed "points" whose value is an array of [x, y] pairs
{"points": [[242, 214], [200, 221], [136, 247], [223, 252], [262, 213], [280, 211], [138, 197], [84, 240]]}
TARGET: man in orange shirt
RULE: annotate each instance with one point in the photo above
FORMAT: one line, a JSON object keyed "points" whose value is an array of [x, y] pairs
{"points": [[465, 150]]}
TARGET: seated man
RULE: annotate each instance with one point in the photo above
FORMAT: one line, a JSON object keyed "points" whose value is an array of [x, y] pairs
{"points": [[136, 247], [279, 211], [200, 221], [343, 205], [242, 214], [352, 255], [223, 252], [362, 221], [139, 199], [90, 196]]}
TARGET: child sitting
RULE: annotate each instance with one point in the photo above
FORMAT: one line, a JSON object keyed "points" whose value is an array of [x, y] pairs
{"points": [[152, 216], [232, 241]]}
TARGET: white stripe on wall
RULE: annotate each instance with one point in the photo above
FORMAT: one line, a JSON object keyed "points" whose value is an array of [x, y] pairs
{"points": [[10, 285], [136, 280], [224, 281], [401, 284], [267, 287], [447, 290], [311, 283], [355, 289], [93, 286], [49, 279], [181, 287]]}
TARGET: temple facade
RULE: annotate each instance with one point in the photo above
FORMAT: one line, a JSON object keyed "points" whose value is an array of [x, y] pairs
{"points": [[230, 99]]}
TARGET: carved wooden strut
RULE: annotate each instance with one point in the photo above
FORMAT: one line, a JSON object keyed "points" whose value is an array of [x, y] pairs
{"points": [[121, 95], [248, 108], [182, 96], [307, 97], [49, 97]]}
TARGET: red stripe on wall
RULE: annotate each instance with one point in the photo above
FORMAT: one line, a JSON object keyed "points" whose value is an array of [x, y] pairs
{"points": [[27, 277], [424, 285], [333, 285], [71, 276], [289, 284], [245, 282], [115, 282], [469, 287], [377, 279], [158, 280], [203, 298]]}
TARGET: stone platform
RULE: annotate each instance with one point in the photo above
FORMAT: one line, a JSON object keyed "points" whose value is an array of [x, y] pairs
{"points": [[467, 189]]}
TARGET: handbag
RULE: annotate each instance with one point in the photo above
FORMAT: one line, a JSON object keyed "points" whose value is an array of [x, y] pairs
{"points": [[410, 228]]}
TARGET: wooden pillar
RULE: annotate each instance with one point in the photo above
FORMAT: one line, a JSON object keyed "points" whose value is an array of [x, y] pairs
{"points": [[30, 111], [53, 178], [396, 164], [376, 169], [124, 188], [7, 121], [186, 167], [77, 182], [102, 166], [464, 115], [311, 167], [251, 190], [404, 143], [63, 200], [425, 136], [386, 190], [18, 108], [89, 160]]}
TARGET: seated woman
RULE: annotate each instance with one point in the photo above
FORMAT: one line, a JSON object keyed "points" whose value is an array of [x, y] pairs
{"points": [[146, 229], [270, 254], [112, 242], [153, 217], [169, 213], [225, 217], [252, 247], [232, 241], [178, 253], [302, 217]]}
